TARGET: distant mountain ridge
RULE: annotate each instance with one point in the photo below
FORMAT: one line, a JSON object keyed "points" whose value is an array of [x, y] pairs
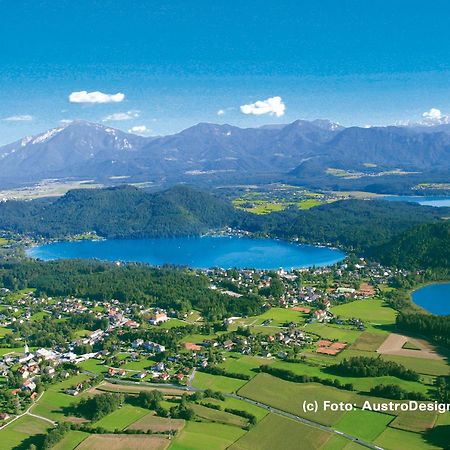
{"points": [[301, 149]]}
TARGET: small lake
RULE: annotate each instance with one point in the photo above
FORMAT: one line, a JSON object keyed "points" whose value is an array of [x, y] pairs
{"points": [[426, 201], [198, 252], [435, 298]]}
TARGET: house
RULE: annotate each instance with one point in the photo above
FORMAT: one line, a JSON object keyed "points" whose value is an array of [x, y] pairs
{"points": [[154, 347], [158, 317], [159, 367], [50, 371], [131, 324], [228, 344], [29, 385], [164, 376], [140, 375], [72, 392], [4, 416], [137, 343]]}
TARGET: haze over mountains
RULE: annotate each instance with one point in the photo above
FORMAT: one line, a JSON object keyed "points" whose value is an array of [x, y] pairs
{"points": [[304, 150]]}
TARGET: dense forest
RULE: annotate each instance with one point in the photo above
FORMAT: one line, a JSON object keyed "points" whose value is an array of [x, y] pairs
{"points": [[173, 288], [435, 328], [182, 210], [421, 247], [356, 224], [119, 212]]}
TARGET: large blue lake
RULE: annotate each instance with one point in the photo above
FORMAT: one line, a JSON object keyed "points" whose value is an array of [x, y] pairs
{"points": [[435, 298], [199, 252], [427, 201]]}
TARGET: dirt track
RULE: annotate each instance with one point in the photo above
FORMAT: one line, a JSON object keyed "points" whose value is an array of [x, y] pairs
{"points": [[394, 343]]}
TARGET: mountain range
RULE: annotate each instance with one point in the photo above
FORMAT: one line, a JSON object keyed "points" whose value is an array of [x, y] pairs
{"points": [[207, 153]]}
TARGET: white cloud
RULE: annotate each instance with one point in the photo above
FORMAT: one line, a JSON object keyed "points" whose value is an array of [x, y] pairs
{"points": [[221, 112], [121, 116], [95, 97], [139, 129], [432, 114], [65, 121], [272, 106], [19, 118]]}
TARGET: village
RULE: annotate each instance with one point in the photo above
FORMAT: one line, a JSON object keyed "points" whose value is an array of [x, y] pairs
{"points": [[111, 351]]}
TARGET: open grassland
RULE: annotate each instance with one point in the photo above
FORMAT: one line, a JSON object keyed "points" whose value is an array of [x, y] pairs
{"points": [[423, 366], [337, 442], [331, 332], [71, 440], [393, 439], [369, 342], [54, 402], [416, 421], [363, 384], [204, 435], [121, 418], [280, 433], [373, 311], [366, 425], [217, 382], [214, 415], [26, 429], [4, 331], [94, 366], [278, 316], [124, 442], [289, 397], [135, 389], [156, 424], [235, 403], [244, 364]]}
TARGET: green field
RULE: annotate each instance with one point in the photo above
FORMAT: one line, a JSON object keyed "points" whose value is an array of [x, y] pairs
{"points": [[94, 365], [121, 418], [280, 433], [26, 429], [243, 364], [289, 396], [279, 317], [214, 415], [71, 440], [416, 421], [366, 425], [369, 341], [204, 435], [54, 400], [373, 311], [425, 366], [4, 331], [333, 332], [393, 439], [363, 384], [217, 382], [235, 403]]}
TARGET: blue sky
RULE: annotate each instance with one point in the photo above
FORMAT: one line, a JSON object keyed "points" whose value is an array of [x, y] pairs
{"points": [[180, 62]]}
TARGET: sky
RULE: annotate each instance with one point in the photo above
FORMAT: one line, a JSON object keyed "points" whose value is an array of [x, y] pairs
{"points": [[156, 67]]}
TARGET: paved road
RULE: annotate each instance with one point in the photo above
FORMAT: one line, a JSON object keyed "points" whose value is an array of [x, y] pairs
{"points": [[269, 408]]}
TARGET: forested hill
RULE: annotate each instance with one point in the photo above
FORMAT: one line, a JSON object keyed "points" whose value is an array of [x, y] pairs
{"points": [[120, 212], [356, 224], [425, 246], [182, 210]]}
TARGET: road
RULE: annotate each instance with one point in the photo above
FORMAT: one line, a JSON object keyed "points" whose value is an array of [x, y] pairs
{"points": [[269, 408], [27, 412]]}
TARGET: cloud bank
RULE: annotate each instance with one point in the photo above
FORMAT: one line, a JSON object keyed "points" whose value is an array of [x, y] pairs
{"points": [[435, 117], [95, 97], [139, 129], [19, 118], [121, 116], [271, 106]]}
